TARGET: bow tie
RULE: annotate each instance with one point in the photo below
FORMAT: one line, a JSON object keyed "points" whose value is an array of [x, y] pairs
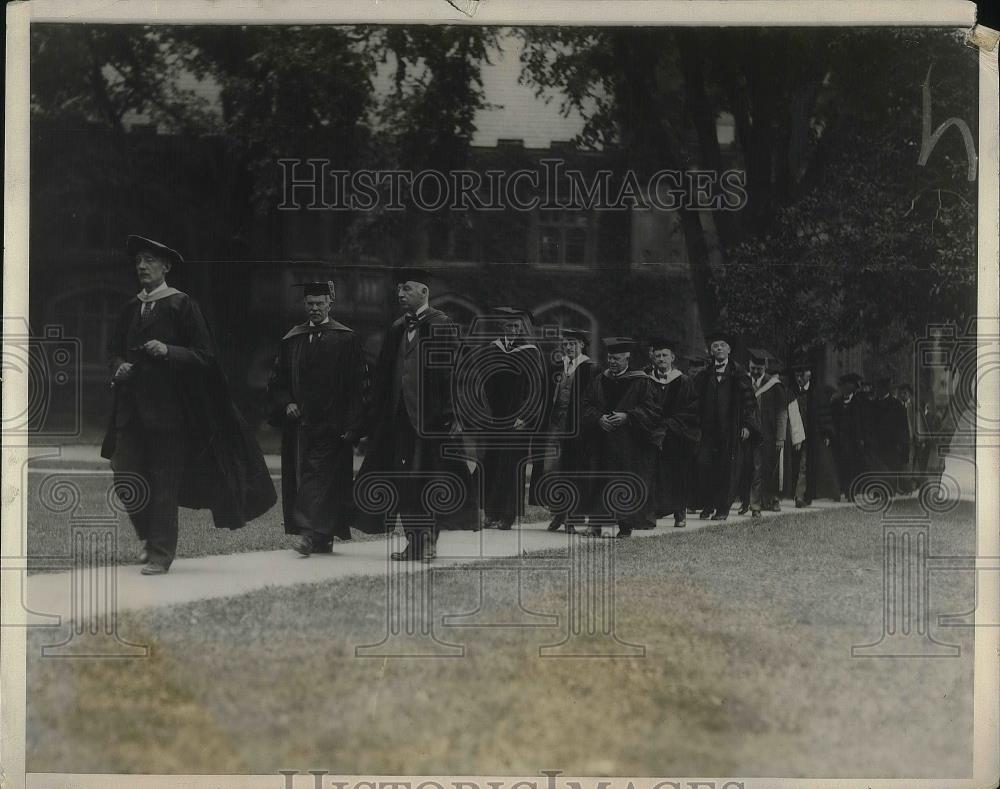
{"points": [[411, 320]]}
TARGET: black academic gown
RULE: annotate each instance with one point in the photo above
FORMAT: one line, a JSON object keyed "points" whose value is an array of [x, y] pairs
{"points": [[186, 393], [401, 453], [851, 423], [726, 407], [630, 450], [565, 432], [889, 442], [514, 387], [326, 379], [679, 423], [821, 473]]}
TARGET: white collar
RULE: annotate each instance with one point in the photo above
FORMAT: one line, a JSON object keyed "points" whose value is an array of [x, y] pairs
{"points": [[144, 295], [805, 386], [569, 367], [725, 364], [617, 375], [321, 323], [849, 398]]}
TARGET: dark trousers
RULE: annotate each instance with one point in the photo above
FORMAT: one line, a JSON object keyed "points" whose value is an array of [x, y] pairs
{"points": [[714, 470], [410, 455], [158, 457]]}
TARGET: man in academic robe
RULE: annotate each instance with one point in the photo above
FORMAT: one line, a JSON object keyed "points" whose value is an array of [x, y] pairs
{"points": [[810, 433], [410, 422], [620, 410], [728, 420], [889, 443], [175, 437], [679, 416], [513, 375], [759, 482], [695, 364], [316, 389], [849, 409], [568, 453]]}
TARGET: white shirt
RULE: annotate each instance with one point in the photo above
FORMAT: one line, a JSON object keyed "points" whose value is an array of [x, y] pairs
{"points": [[411, 332], [149, 297], [569, 366], [314, 325]]}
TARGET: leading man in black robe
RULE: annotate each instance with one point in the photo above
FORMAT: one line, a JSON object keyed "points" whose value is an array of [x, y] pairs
{"points": [[317, 390], [175, 437]]}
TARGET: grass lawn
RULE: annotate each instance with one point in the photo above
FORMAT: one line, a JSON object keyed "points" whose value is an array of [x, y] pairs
{"points": [[748, 672], [50, 531]]}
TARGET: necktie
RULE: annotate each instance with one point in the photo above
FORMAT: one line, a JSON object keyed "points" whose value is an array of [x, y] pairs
{"points": [[147, 307], [411, 321], [314, 334]]}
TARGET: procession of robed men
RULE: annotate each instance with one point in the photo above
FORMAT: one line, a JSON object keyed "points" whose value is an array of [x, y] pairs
{"points": [[463, 432]]}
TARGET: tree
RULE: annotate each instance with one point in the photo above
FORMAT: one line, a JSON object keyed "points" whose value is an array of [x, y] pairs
{"points": [[821, 118]]}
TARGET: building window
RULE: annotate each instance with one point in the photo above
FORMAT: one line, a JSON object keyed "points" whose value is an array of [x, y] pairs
{"points": [[564, 238]]}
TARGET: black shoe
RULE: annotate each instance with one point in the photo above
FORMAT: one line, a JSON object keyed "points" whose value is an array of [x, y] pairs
{"points": [[705, 514], [756, 515], [744, 509], [153, 569], [408, 554], [679, 523], [623, 533], [555, 523], [504, 525], [776, 507], [304, 545], [720, 516], [799, 504]]}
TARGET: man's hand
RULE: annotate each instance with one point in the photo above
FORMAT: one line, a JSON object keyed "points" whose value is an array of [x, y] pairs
{"points": [[618, 418], [519, 424], [605, 423], [797, 447], [744, 434], [292, 411], [826, 442], [155, 348], [124, 371]]}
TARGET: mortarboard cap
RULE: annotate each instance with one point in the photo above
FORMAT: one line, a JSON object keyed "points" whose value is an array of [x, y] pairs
{"points": [[658, 343], [800, 365], [720, 334], [136, 244], [759, 356], [513, 313], [418, 275], [849, 378], [618, 344], [316, 288], [575, 334]]}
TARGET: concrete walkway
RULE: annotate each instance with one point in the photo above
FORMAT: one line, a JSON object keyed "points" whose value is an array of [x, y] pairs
{"points": [[227, 575]]}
